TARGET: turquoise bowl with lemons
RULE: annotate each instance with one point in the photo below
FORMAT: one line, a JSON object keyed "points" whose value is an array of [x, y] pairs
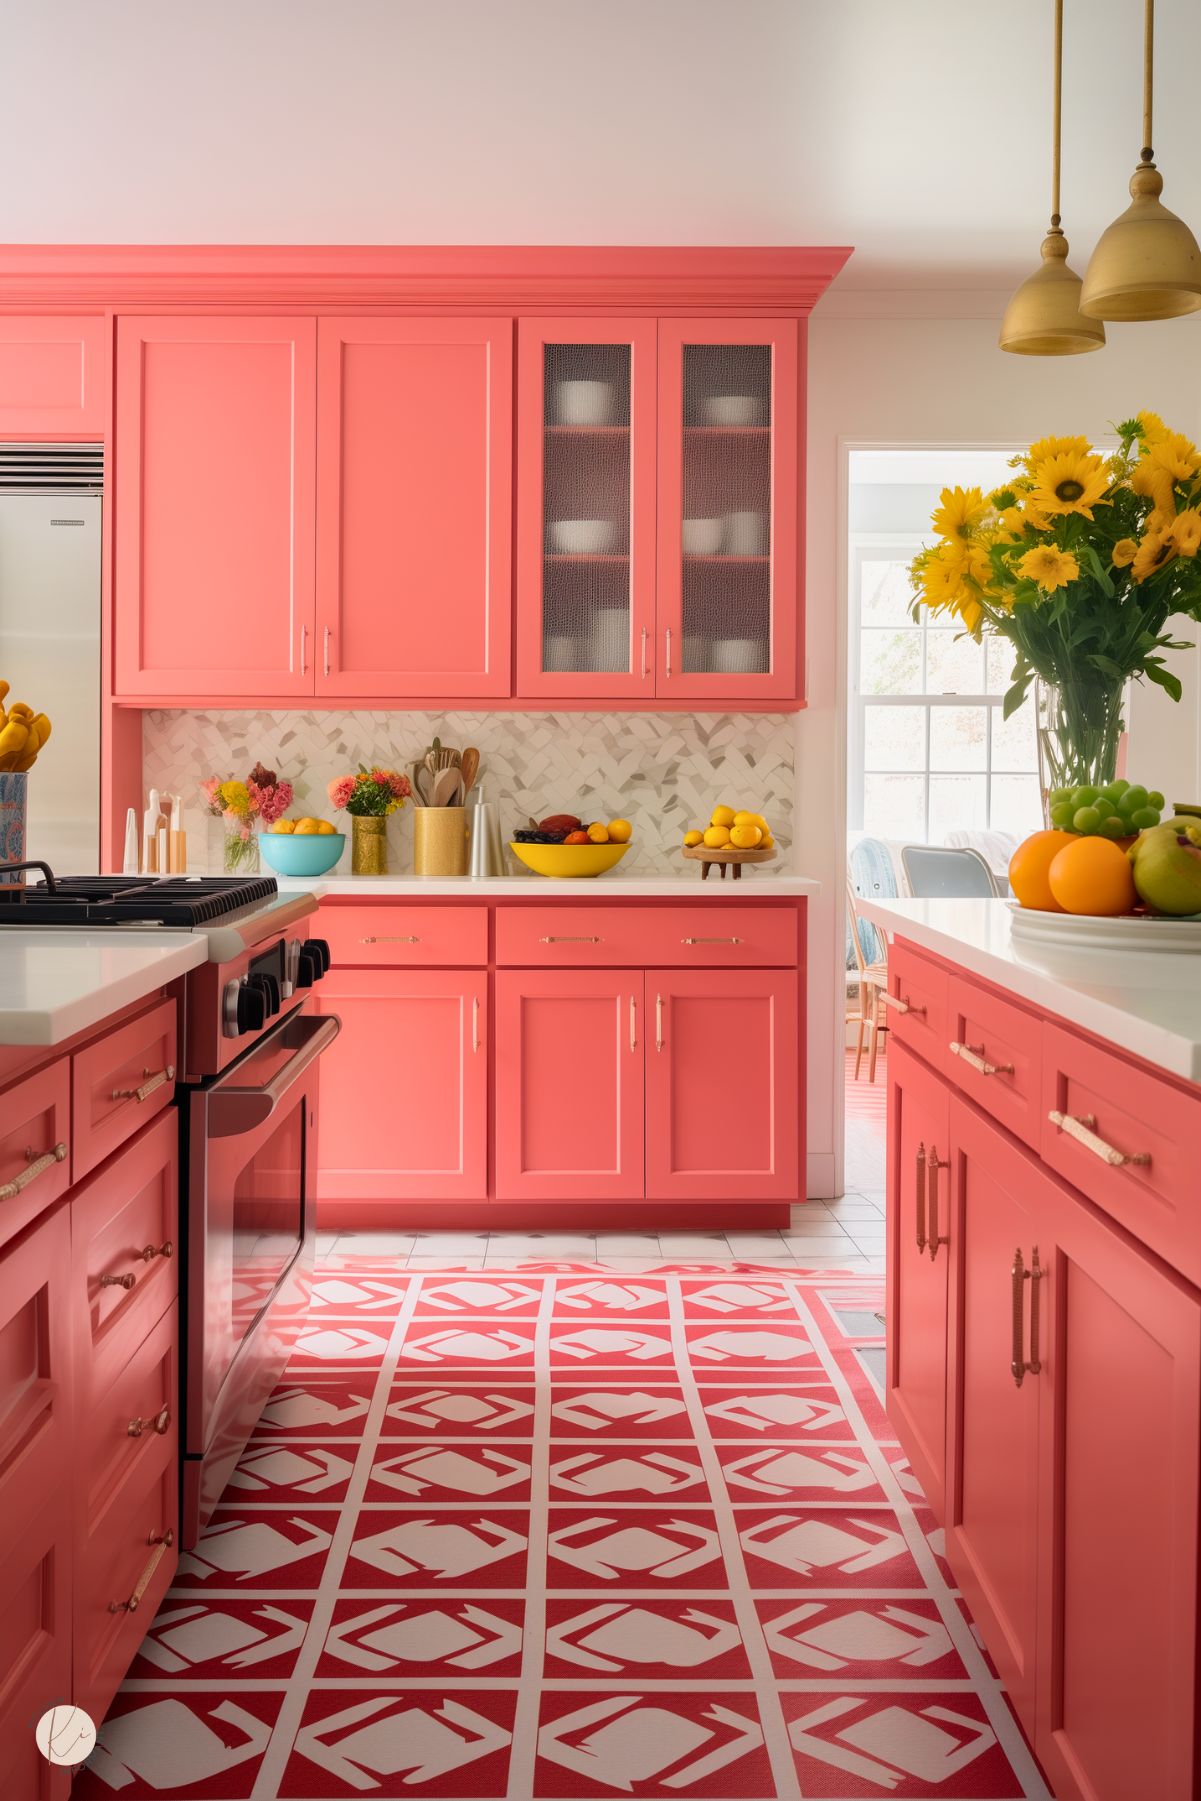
{"points": [[312, 853]]}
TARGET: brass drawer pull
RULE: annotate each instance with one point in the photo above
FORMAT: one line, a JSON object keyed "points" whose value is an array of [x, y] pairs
{"points": [[899, 1005], [475, 1022], [935, 1238], [584, 940], [37, 1166], [658, 1022], [149, 1252], [162, 1542], [921, 1197], [118, 1281], [973, 1056], [1020, 1275], [1081, 1128], [645, 670], [667, 652], [633, 1023], [391, 938], [711, 941], [161, 1423], [150, 1082]]}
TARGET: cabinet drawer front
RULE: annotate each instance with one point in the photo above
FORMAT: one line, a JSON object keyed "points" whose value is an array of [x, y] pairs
{"points": [[998, 1062], [687, 937], [53, 375], [1141, 1146], [398, 937], [123, 1568], [917, 1003], [35, 1143], [35, 1641], [36, 1402], [119, 1082], [124, 1211], [124, 1425]]}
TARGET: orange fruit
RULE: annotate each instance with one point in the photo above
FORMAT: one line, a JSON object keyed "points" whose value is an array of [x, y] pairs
{"points": [[1091, 875], [1030, 865]]}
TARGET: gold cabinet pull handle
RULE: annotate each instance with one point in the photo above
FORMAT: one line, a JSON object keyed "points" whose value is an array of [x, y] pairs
{"points": [[1036, 1275], [151, 1081], [921, 1197], [1081, 1128], [390, 938], [1020, 1275], [36, 1166], [149, 1252], [667, 651], [973, 1056], [586, 938], [475, 1022], [304, 648], [161, 1423], [633, 1023], [162, 1542], [936, 1238], [126, 1281], [658, 1022], [645, 670], [326, 655], [710, 940], [898, 1003]]}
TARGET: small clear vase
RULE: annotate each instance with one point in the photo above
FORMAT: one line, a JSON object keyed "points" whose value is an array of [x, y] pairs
{"points": [[1080, 727], [239, 855]]}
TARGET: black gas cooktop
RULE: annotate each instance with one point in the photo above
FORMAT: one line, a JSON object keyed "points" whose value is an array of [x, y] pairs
{"points": [[113, 900]]}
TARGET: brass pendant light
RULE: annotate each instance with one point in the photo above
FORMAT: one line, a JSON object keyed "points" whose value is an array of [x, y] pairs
{"points": [[1146, 264], [1043, 317]]}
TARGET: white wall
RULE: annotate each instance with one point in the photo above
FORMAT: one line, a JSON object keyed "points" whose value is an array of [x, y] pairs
{"points": [[887, 380]]}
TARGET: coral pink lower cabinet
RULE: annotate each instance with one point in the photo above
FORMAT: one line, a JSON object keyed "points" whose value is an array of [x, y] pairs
{"points": [[1069, 1355]]}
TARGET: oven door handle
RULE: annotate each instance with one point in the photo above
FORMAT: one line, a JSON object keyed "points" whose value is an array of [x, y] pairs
{"points": [[235, 1110]]}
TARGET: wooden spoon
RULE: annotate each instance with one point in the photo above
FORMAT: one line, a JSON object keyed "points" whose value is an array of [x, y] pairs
{"points": [[471, 767]]}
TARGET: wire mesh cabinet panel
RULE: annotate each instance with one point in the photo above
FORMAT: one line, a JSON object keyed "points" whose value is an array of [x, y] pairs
{"points": [[586, 508], [729, 501]]}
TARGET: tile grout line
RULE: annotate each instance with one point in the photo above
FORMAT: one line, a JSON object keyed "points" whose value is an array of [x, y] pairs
{"points": [[291, 1715], [985, 1685], [523, 1752], [771, 1713]]}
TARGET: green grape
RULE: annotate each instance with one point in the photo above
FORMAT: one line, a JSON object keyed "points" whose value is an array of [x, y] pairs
{"points": [[1155, 799], [1102, 806], [1113, 827], [1114, 789], [1084, 797], [1144, 817], [1134, 797], [1056, 795], [1086, 820], [1061, 815]]}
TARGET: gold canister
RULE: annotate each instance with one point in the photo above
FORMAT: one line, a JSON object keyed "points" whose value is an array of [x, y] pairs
{"points": [[368, 845], [440, 841]]}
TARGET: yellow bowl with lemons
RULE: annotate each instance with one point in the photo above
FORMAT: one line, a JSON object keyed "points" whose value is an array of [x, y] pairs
{"points": [[565, 860]]}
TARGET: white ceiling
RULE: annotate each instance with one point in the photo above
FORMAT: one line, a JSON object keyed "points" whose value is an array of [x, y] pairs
{"points": [[917, 130]]}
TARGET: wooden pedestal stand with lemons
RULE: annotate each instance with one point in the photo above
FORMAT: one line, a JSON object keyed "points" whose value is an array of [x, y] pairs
{"points": [[730, 840]]}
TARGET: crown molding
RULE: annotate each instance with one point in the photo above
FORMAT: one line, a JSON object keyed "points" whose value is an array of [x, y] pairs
{"points": [[431, 278]]}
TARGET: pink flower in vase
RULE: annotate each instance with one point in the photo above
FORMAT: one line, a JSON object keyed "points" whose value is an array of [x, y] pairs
{"points": [[340, 790], [272, 802]]}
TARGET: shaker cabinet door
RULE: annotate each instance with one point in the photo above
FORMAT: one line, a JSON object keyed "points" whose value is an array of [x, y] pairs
{"points": [[414, 487], [213, 486]]}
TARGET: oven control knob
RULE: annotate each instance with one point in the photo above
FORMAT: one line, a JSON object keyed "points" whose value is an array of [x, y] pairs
{"points": [[308, 969], [252, 1009], [319, 948], [268, 987]]}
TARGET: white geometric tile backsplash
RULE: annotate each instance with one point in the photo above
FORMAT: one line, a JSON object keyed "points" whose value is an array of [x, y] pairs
{"points": [[662, 771]]}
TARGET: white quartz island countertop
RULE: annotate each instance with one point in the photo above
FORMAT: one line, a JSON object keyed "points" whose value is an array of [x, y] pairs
{"points": [[547, 890], [1144, 1002], [56, 982]]}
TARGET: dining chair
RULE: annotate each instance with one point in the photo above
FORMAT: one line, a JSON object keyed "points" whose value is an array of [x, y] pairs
{"points": [[872, 1017], [935, 873]]}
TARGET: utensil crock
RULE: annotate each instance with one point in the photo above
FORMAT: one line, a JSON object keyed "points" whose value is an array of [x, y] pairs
{"points": [[440, 841]]}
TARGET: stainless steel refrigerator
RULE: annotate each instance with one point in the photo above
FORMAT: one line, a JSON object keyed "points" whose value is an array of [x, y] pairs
{"points": [[50, 509]]}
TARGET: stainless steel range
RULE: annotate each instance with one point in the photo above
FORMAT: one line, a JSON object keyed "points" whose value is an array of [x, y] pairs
{"points": [[248, 1107]]}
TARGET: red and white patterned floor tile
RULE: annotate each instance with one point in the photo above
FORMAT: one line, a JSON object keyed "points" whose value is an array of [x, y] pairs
{"points": [[552, 1533]]}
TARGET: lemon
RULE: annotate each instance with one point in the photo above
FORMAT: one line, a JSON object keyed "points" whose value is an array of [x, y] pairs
{"points": [[767, 842], [620, 831], [723, 816], [742, 817], [691, 838], [306, 826], [745, 837], [598, 832], [325, 828], [284, 825], [718, 836]]}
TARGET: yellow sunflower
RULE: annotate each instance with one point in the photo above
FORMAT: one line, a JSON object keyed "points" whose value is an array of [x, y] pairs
{"points": [[1124, 553], [1151, 428], [1151, 481], [1049, 566], [1069, 483], [1154, 550], [1176, 455], [1186, 532], [1011, 523], [959, 512], [1044, 449]]}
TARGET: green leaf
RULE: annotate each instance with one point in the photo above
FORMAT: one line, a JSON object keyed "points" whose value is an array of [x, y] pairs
{"points": [[1015, 696], [1099, 573], [1163, 678]]}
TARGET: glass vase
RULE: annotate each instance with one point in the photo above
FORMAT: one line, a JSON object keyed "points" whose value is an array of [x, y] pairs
{"points": [[1080, 727], [229, 851], [368, 845]]}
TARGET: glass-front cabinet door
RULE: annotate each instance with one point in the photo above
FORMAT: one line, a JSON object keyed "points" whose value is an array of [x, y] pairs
{"points": [[586, 508], [729, 499]]}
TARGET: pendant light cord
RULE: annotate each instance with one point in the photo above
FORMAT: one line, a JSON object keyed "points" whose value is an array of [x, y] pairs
{"points": [[1055, 114], [1148, 155]]}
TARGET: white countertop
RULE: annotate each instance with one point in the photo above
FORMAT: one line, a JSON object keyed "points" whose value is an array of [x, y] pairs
{"points": [[1145, 1002], [547, 889], [56, 982]]}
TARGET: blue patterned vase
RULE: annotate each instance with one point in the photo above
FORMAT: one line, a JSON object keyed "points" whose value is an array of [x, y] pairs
{"points": [[14, 794]]}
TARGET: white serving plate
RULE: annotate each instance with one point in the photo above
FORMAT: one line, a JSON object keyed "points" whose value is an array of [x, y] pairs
{"points": [[1101, 932]]}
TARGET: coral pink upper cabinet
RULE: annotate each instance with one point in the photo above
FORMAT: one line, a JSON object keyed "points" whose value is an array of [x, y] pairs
{"points": [[586, 507], [215, 449], [721, 1084], [729, 503], [414, 503], [404, 1088], [53, 377], [569, 1085], [919, 1196]]}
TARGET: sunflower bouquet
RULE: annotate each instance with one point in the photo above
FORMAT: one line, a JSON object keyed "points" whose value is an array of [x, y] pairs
{"points": [[1079, 561]]}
